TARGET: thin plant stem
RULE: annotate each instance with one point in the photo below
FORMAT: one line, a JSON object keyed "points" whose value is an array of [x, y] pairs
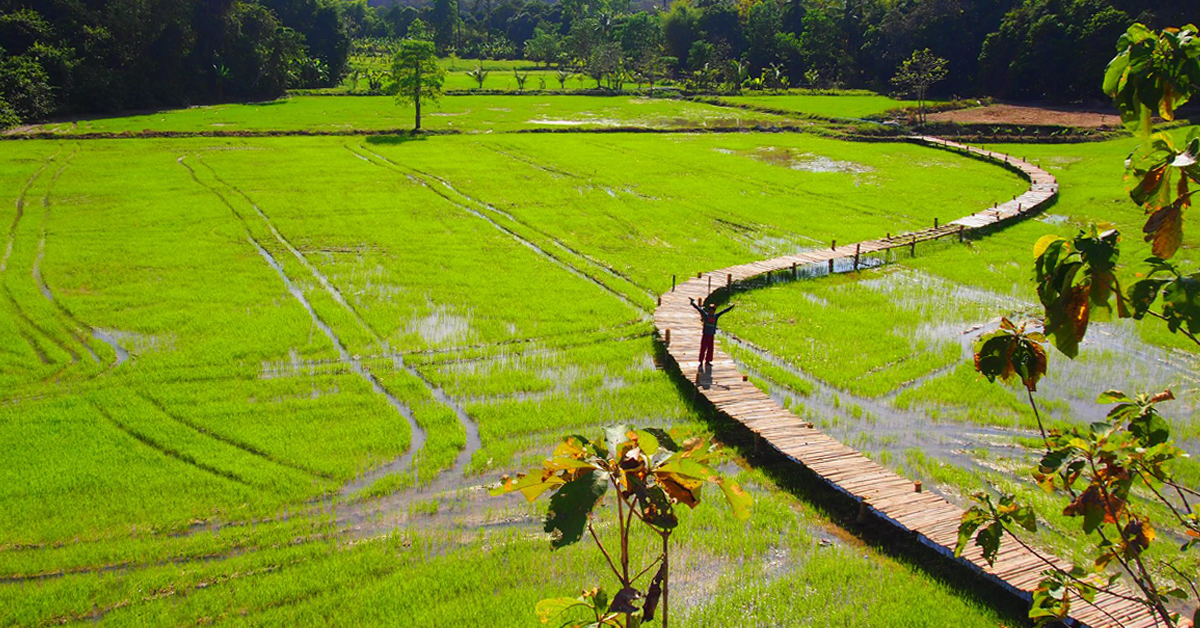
{"points": [[1180, 330], [1037, 415], [600, 545], [666, 588], [1181, 490], [624, 575], [654, 562], [1191, 584], [1143, 577], [1050, 563], [1162, 499]]}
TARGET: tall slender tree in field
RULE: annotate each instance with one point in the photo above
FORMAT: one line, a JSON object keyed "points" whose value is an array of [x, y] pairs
{"points": [[418, 75], [917, 73]]}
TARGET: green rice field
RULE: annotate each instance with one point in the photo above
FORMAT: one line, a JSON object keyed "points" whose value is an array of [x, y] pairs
{"points": [[882, 358], [852, 105], [266, 380], [468, 114]]}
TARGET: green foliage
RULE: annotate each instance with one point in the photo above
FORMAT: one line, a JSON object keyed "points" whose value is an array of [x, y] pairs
{"points": [[1153, 73], [1100, 467], [1011, 351], [418, 75], [986, 522], [25, 87], [594, 601], [918, 73], [1178, 294], [521, 78], [479, 75], [8, 115], [649, 474], [1073, 276], [543, 47]]}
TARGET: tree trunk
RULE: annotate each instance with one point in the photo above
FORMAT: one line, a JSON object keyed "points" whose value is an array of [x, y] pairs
{"points": [[417, 97]]}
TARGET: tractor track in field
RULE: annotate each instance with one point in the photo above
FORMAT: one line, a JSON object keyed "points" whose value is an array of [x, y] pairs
{"points": [[333, 291], [470, 428], [236, 444], [595, 264], [417, 434], [167, 450], [534, 164], [20, 203], [36, 272], [464, 202], [20, 312]]}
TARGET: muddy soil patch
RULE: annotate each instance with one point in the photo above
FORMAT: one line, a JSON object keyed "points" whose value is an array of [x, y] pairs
{"points": [[1079, 117]]}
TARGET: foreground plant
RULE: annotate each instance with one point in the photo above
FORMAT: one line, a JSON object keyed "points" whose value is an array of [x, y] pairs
{"points": [[1100, 468], [648, 474]]}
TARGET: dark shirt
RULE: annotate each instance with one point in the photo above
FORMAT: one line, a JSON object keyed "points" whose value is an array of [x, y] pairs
{"points": [[710, 320]]}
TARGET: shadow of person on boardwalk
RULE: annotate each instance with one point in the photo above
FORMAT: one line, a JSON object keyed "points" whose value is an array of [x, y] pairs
{"points": [[704, 376]]}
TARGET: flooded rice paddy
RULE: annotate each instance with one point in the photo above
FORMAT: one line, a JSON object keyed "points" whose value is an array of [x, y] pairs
{"points": [[315, 354]]}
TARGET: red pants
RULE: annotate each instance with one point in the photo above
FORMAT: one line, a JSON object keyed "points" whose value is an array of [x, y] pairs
{"points": [[706, 347]]}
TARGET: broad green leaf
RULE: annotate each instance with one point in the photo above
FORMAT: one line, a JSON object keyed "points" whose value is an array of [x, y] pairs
{"points": [[647, 441], [738, 498], [563, 464], [1024, 517], [657, 509], [971, 521], [989, 539], [664, 439], [551, 609], [1150, 429], [1010, 351], [613, 437], [571, 505], [1044, 242], [531, 486], [1113, 396]]}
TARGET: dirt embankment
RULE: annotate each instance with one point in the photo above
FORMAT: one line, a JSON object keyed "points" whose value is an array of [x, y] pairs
{"points": [[1034, 115]]}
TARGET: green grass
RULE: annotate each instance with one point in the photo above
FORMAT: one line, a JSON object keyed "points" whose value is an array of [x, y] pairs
{"points": [[468, 114], [891, 339], [853, 106], [230, 470]]}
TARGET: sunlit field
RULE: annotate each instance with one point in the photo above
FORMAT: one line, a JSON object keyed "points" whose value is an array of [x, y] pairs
{"points": [[249, 380]]}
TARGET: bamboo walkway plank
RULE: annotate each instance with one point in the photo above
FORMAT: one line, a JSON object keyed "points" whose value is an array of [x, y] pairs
{"points": [[887, 495]]}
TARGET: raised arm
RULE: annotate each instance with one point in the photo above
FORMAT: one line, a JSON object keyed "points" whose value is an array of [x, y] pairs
{"points": [[722, 312], [696, 307]]}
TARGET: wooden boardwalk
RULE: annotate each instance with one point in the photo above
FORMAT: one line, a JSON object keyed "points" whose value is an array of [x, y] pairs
{"points": [[932, 519]]}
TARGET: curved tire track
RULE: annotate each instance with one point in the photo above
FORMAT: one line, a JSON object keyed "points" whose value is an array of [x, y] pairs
{"points": [[417, 434], [75, 325], [481, 210], [469, 426]]}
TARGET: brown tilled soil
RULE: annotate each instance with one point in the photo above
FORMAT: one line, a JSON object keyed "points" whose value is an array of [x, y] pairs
{"points": [[1032, 115]]}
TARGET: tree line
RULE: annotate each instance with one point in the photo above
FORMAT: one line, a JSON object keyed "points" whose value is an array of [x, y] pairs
{"points": [[82, 56], [1019, 49]]}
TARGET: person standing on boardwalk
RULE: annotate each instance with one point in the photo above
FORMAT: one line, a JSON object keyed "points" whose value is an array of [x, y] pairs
{"points": [[709, 315]]}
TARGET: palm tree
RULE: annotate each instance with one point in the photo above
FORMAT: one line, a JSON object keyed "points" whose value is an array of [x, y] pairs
{"points": [[479, 74]]}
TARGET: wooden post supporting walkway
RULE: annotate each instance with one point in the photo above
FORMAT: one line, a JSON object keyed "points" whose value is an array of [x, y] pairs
{"points": [[933, 520]]}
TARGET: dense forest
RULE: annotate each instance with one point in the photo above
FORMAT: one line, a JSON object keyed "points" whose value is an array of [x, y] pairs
{"points": [[75, 56]]}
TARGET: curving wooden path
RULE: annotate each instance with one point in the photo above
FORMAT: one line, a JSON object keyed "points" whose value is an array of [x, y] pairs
{"points": [[933, 520]]}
